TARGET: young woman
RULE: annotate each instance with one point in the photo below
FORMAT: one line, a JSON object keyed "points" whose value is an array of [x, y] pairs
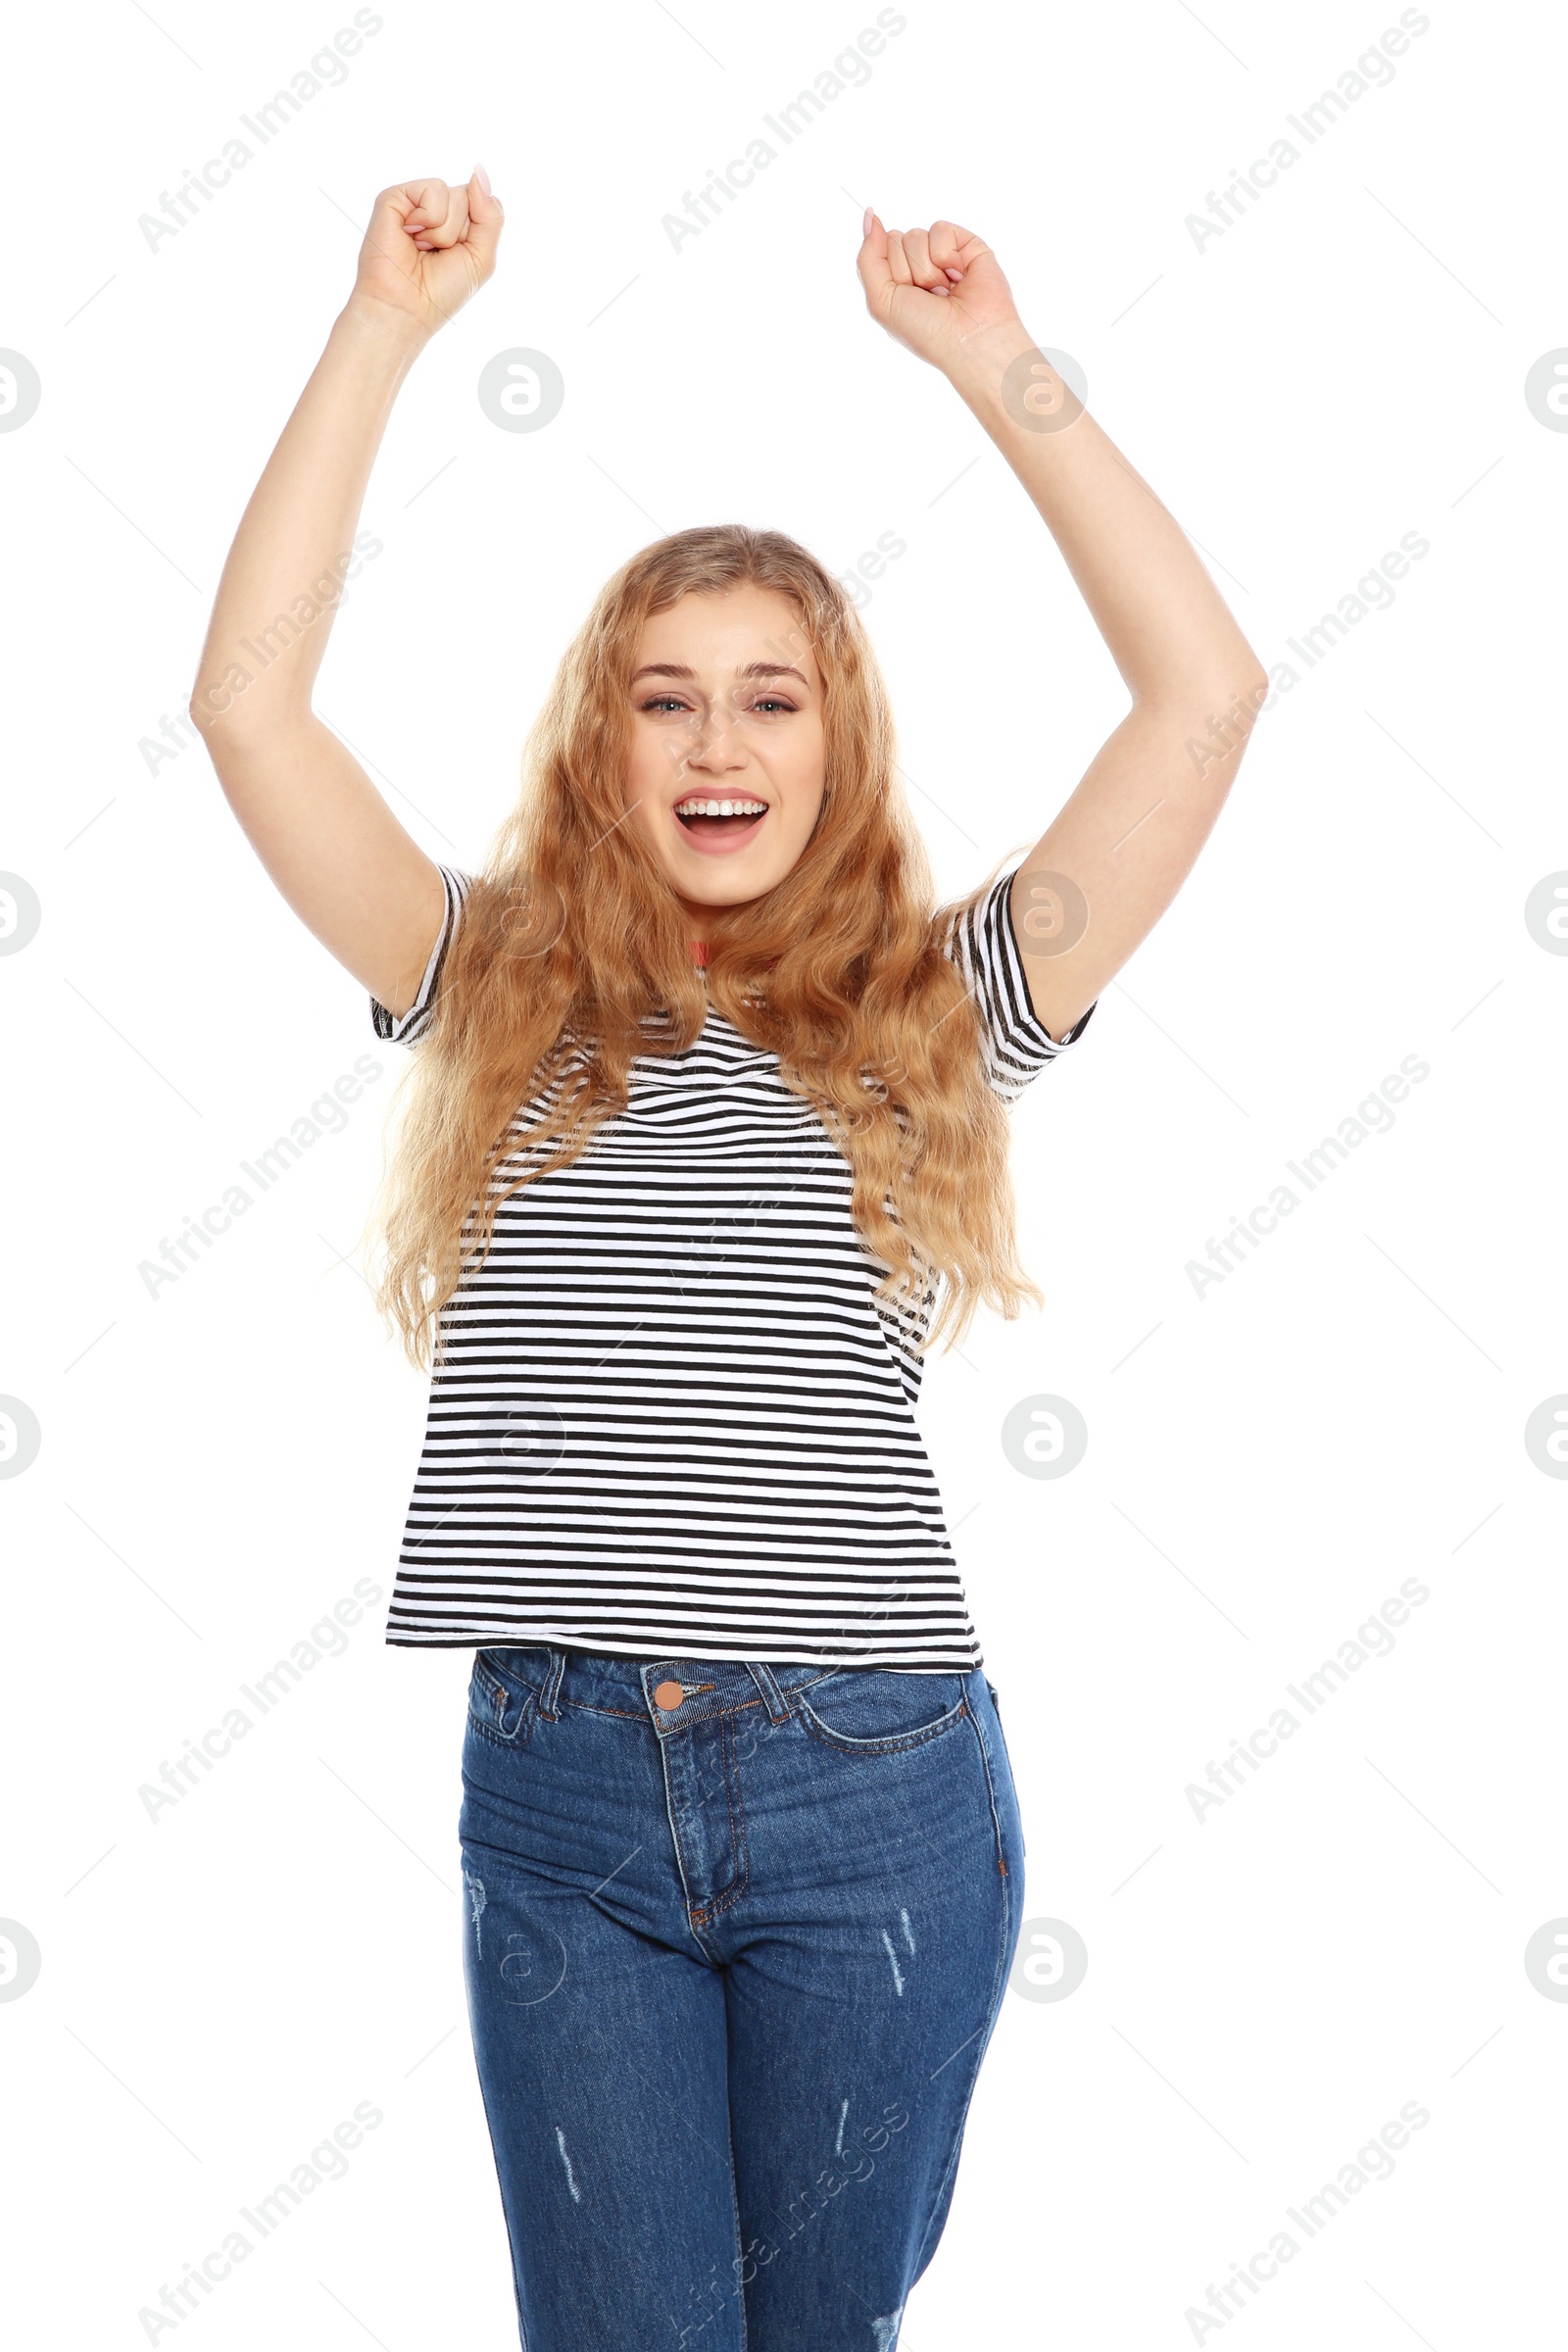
{"points": [[707, 1143]]}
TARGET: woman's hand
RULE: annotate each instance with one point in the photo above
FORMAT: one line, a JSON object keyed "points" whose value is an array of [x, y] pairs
{"points": [[428, 247], [935, 291]]}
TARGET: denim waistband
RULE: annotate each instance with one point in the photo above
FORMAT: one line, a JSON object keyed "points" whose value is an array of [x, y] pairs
{"points": [[708, 1685]]}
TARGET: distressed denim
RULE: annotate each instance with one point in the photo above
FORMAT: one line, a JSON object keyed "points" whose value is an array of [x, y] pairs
{"points": [[735, 1938]]}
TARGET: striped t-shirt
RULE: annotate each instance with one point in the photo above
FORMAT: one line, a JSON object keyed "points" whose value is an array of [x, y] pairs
{"points": [[674, 1420]]}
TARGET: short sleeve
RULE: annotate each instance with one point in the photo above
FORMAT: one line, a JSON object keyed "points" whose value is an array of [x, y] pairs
{"points": [[985, 948], [403, 1029]]}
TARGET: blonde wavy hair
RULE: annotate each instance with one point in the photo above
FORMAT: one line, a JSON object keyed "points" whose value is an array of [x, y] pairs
{"points": [[572, 957]]}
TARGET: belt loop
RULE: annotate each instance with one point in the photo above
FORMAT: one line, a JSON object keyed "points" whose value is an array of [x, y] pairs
{"points": [[778, 1705], [551, 1692]]}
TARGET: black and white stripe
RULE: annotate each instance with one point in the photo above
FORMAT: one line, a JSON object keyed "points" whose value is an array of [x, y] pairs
{"points": [[673, 1421]]}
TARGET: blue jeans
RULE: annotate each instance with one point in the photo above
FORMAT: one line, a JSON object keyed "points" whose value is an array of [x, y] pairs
{"points": [[735, 1940]]}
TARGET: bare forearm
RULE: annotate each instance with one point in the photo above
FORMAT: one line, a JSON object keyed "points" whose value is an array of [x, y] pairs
{"points": [[279, 588], [1169, 628]]}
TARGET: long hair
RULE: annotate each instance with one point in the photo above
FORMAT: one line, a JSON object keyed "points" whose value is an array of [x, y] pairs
{"points": [[572, 957]]}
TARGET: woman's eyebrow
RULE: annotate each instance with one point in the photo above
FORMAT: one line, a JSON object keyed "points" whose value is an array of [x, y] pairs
{"points": [[752, 669]]}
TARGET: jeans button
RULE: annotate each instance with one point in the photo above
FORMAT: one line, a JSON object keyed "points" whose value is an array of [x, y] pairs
{"points": [[668, 1695]]}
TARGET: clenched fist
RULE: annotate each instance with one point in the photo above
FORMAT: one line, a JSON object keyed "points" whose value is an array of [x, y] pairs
{"points": [[935, 291], [429, 247]]}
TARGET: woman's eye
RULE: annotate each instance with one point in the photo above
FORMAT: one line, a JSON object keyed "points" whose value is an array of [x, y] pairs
{"points": [[664, 701]]}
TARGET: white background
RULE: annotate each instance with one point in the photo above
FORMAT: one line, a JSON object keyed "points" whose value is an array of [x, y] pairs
{"points": [[1267, 1985]]}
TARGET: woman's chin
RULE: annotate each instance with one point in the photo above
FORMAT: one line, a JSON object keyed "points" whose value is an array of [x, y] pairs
{"points": [[725, 881]]}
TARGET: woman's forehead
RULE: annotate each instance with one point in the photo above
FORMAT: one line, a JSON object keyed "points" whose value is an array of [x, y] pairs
{"points": [[747, 633]]}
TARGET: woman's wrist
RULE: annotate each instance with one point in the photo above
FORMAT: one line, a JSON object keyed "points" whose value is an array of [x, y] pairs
{"points": [[979, 367], [1004, 377], [376, 332]]}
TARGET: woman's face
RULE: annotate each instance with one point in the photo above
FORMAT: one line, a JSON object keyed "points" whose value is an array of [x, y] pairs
{"points": [[726, 702]]}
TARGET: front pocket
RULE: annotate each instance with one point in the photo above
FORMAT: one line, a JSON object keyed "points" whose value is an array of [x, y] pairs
{"points": [[872, 1711], [501, 1705]]}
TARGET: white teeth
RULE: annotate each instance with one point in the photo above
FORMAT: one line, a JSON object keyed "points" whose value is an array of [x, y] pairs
{"points": [[720, 808]]}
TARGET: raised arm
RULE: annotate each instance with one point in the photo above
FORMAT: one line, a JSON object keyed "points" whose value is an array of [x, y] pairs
{"points": [[317, 823], [1111, 861]]}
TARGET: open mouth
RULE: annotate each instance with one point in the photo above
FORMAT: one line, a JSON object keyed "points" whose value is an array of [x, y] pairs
{"points": [[715, 821]]}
